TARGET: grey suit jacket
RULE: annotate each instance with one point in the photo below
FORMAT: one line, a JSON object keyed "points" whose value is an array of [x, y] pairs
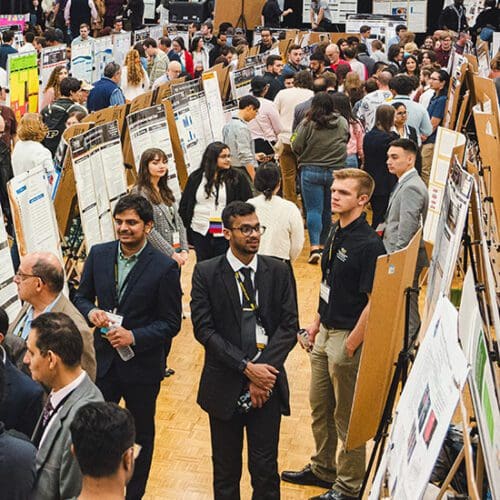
{"points": [[17, 346], [58, 475], [406, 214]]}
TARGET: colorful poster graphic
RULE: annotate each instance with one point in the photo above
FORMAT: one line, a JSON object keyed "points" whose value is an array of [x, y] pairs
{"points": [[22, 71]]}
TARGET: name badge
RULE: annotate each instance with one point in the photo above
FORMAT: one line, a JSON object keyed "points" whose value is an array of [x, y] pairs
{"points": [[176, 239], [215, 227], [380, 229], [324, 291], [115, 320], [261, 337]]}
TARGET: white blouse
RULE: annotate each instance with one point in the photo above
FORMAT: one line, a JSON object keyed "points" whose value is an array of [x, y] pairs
{"points": [[205, 209]]}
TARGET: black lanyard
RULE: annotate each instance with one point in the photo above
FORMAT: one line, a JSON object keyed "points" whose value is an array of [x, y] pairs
{"points": [[252, 302], [328, 268]]}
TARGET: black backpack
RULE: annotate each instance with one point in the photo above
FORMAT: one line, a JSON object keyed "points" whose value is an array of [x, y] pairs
{"points": [[55, 116]]}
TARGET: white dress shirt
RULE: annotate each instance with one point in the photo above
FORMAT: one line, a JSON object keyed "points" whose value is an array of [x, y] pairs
{"points": [[236, 265]]}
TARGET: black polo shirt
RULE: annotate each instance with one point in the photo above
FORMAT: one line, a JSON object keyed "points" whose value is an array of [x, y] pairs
{"points": [[348, 267]]}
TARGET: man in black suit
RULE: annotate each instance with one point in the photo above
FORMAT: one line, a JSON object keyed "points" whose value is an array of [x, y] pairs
{"points": [[142, 287], [23, 398], [244, 313]]}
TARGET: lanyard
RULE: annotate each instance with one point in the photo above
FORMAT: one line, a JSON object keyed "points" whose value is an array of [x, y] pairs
{"points": [[328, 269], [244, 291]]}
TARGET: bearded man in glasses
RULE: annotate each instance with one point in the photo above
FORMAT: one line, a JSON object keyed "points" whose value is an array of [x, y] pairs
{"points": [[40, 281], [244, 312]]}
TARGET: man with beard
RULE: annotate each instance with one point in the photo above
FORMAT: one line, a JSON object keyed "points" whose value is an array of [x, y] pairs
{"points": [[244, 313]]}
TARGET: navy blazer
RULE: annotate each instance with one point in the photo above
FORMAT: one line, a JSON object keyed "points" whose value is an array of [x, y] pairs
{"points": [[23, 400], [216, 316], [150, 306]]}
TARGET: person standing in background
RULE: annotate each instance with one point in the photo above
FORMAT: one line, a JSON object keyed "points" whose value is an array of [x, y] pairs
{"points": [[78, 12]]}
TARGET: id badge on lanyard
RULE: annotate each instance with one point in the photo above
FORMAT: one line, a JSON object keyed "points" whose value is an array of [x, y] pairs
{"points": [[176, 240]]}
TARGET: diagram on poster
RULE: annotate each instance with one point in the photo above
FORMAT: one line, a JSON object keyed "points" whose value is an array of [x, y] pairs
{"points": [[215, 110], [82, 60], [103, 54]]}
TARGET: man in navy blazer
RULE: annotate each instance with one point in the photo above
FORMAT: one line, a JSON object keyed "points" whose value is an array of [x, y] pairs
{"points": [[130, 278], [23, 398]]}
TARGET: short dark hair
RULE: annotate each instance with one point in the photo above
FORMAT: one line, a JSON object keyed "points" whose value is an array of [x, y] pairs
{"points": [[50, 35], [4, 321], [7, 36], [236, 209], [406, 144], [135, 202], [400, 27], [267, 177], [320, 84], [365, 28], [101, 432], [293, 46], [165, 40], [317, 56], [303, 79], [58, 333], [362, 48], [150, 42], [111, 69], [52, 276], [29, 36], [402, 84], [249, 100], [270, 60], [68, 85], [349, 52]]}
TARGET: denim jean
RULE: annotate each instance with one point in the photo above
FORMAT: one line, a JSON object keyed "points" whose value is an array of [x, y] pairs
{"points": [[352, 161], [316, 183]]}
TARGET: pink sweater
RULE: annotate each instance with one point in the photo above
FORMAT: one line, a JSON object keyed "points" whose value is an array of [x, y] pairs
{"points": [[355, 144]]}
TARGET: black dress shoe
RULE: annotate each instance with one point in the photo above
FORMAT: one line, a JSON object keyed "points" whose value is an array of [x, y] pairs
{"points": [[305, 477], [333, 495]]}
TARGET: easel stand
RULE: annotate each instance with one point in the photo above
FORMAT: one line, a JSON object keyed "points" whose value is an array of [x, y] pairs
{"points": [[400, 375]]}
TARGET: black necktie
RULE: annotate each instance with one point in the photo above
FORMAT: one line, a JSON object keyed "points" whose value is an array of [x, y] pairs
{"points": [[47, 412], [248, 317]]}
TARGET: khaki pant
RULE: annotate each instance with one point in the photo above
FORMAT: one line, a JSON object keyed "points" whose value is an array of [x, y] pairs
{"points": [[333, 379], [288, 164], [427, 154]]}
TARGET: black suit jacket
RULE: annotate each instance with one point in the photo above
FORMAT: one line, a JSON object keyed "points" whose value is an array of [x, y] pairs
{"points": [[150, 306], [216, 316], [23, 400]]}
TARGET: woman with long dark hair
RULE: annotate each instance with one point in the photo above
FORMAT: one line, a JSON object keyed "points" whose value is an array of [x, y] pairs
{"points": [[185, 58], [200, 55], [342, 105], [375, 146], [406, 131], [321, 148], [168, 234], [208, 190], [439, 82]]}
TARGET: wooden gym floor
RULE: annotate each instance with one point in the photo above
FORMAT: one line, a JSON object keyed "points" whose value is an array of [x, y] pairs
{"points": [[182, 467]]}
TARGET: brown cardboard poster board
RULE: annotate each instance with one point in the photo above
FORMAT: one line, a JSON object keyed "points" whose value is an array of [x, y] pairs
{"points": [[462, 111], [283, 46], [383, 341], [335, 37], [106, 115], [176, 144], [242, 13], [141, 101], [65, 202], [164, 91]]}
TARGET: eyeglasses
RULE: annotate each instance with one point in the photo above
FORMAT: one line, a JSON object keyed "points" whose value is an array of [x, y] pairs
{"points": [[247, 230], [25, 276]]}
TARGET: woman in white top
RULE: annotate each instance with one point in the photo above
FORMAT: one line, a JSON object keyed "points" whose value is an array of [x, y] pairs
{"points": [[135, 80], [284, 235], [28, 152], [200, 55]]}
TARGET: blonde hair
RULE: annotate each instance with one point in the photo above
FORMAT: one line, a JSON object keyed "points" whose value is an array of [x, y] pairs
{"points": [[352, 81], [135, 71], [32, 128], [411, 47], [366, 184]]}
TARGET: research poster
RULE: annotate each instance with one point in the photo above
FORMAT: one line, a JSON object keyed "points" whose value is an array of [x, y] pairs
{"points": [[33, 213], [121, 46], [148, 129], [9, 300], [339, 9], [103, 54], [141, 35], [100, 180], [184, 122], [215, 109], [241, 79], [22, 71], [426, 407], [449, 228], [82, 60], [50, 58], [415, 12]]}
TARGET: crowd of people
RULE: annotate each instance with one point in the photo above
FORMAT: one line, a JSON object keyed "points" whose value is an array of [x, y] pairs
{"points": [[350, 125]]}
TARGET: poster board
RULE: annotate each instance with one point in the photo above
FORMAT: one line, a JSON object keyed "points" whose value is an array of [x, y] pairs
{"points": [[109, 114], [425, 409], [65, 201], [82, 60], [481, 381], [214, 104], [339, 9], [450, 228], [415, 12], [148, 129], [100, 180], [121, 46], [50, 58], [237, 11], [164, 90], [446, 141], [22, 74], [458, 76], [33, 213], [9, 300], [140, 35], [382, 342], [103, 54], [241, 79]]}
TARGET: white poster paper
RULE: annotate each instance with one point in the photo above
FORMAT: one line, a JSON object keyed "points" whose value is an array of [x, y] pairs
{"points": [[339, 9], [82, 60], [121, 46], [215, 109], [103, 54]]}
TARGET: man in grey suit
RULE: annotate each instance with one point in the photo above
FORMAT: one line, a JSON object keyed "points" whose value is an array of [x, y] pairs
{"points": [[40, 282], [406, 212], [54, 352]]}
